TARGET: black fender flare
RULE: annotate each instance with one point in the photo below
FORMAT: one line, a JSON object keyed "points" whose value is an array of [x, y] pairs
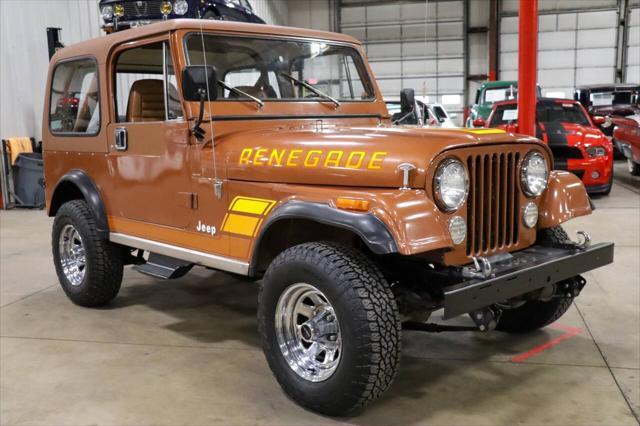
{"points": [[373, 232], [81, 180]]}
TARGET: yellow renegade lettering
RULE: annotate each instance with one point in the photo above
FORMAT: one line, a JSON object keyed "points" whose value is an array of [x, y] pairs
{"points": [[312, 158]]}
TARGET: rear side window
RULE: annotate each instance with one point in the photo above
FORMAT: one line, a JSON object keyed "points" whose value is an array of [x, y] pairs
{"points": [[74, 106]]}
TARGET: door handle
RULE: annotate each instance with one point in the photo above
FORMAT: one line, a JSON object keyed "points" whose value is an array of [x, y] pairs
{"points": [[122, 142]]}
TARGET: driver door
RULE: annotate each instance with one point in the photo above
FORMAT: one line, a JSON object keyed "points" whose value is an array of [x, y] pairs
{"points": [[149, 147]]}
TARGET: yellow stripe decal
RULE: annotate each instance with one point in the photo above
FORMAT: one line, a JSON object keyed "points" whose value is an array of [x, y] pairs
{"points": [[486, 131], [256, 206], [242, 225]]}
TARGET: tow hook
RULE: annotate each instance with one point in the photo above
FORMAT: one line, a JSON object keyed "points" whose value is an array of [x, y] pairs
{"points": [[481, 268], [486, 319]]}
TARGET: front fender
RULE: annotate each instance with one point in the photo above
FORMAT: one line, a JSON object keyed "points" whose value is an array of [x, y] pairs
{"points": [[565, 198]]}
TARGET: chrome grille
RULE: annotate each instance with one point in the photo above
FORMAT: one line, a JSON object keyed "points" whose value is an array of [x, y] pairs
{"points": [[492, 206], [141, 8]]}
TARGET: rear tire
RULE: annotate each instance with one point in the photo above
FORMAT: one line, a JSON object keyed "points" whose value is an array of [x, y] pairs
{"points": [[534, 314], [368, 327], [89, 268], [634, 168]]}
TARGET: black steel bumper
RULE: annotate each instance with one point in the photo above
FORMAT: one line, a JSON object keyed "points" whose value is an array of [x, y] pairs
{"points": [[528, 270]]}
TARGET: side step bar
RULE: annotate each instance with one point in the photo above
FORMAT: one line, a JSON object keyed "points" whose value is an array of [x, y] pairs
{"points": [[164, 267]]}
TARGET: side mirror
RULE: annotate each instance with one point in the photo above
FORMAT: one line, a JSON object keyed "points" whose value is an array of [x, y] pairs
{"points": [[196, 79], [598, 119], [479, 122], [407, 100]]}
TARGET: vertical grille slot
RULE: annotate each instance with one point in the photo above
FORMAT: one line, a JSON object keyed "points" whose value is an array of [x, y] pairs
{"points": [[492, 206]]}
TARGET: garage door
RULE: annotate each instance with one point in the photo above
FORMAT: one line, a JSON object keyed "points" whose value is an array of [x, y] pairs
{"points": [[415, 45], [633, 47], [573, 49]]}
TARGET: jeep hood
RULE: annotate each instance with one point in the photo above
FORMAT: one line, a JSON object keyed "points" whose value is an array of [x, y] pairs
{"points": [[355, 156]]}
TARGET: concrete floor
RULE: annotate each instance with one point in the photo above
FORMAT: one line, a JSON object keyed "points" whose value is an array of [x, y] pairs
{"points": [[187, 352]]}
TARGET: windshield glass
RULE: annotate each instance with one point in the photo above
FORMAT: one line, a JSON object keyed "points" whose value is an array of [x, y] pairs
{"points": [[613, 98], [545, 113], [263, 67], [500, 94]]}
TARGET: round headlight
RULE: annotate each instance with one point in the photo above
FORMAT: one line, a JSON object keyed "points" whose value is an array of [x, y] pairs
{"points": [[180, 7], [118, 11], [534, 174], [530, 215], [451, 184], [165, 8], [107, 13]]}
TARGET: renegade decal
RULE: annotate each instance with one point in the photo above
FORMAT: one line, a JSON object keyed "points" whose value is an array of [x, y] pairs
{"points": [[312, 158], [245, 215]]}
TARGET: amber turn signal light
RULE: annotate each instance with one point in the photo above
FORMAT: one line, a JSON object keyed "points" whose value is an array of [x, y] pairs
{"points": [[352, 204]]}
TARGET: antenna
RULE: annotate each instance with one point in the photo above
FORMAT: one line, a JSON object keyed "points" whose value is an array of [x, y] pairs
{"points": [[217, 184]]}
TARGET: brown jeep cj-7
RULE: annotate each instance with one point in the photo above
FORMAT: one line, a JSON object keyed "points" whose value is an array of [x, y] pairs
{"points": [[268, 152]]}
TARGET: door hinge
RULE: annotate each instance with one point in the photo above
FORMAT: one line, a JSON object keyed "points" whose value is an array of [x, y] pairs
{"points": [[194, 201], [217, 188]]}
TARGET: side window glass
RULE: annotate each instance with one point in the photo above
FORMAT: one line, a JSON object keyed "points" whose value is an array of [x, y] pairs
{"points": [[74, 105], [142, 91]]}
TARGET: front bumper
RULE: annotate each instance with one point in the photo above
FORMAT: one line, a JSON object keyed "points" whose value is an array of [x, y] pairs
{"points": [[526, 271], [587, 169], [627, 150]]}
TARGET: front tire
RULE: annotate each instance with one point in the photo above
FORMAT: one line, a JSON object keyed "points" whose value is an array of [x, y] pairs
{"points": [[634, 168], [89, 268], [329, 326], [536, 314]]}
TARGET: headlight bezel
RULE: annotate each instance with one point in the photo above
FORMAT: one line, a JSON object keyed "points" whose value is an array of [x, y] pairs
{"points": [[524, 170], [438, 184]]}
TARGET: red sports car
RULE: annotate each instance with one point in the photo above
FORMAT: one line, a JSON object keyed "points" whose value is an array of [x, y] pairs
{"points": [[573, 136], [626, 135]]}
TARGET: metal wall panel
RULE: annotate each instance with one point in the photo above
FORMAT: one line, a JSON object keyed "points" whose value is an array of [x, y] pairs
{"points": [[574, 48], [413, 44], [24, 58], [632, 72]]}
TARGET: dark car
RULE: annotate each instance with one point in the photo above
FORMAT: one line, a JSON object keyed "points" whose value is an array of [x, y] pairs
{"points": [[122, 14], [573, 136], [609, 100]]}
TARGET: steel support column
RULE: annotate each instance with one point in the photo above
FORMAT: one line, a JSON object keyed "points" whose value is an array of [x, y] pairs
{"points": [[527, 65], [494, 19]]}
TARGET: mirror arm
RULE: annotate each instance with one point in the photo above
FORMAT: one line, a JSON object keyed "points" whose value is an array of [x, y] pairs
{"points": [[197, 131]]}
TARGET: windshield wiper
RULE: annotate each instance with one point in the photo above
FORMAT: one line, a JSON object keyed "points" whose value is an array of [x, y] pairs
{"points": [[310, 87], [241, 93]]}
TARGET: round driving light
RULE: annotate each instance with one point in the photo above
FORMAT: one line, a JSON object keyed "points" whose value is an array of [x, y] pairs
{"points": [[530, 215], [118, 11], [457, 229], [107, 13], [165, 8], [534, 174], [595, 175], [180, 7], [450, 184]]}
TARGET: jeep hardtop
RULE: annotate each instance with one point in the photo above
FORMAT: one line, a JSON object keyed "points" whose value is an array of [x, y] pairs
{"points": [[268, 152]]}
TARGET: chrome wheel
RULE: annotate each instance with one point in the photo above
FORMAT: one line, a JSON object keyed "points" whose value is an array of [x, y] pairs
{"points": [[308, 332], [72, 255]]}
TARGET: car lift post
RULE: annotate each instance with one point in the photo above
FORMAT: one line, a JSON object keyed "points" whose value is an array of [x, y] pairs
{"points": [[527, 66]]}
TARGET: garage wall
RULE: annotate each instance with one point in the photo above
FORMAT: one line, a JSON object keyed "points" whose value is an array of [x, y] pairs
{"points": [[411, 44], [632, 72], [574, 48], [24, 56]]}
